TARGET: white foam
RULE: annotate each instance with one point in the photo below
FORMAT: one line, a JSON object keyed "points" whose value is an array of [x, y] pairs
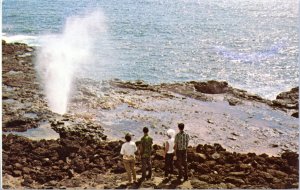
{"points": [[62, 55], [27, 39]]}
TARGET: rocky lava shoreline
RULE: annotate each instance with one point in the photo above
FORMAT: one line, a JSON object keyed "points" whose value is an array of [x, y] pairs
{"points": [[73, 162], [82, 156]]}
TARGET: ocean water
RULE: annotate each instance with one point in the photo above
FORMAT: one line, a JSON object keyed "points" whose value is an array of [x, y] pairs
{"points": [[252, 44]]}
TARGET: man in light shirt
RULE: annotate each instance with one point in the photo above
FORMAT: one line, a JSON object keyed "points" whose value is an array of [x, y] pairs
{"points": [[128, 149], [169, 152]]}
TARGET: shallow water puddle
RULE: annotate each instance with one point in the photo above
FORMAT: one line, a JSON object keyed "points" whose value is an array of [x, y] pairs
{"points": [[31, 115], [238, 128], [44, 131], [9, 101]]}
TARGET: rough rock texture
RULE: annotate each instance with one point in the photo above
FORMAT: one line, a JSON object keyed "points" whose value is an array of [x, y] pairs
{"points": [[53, 163], [211, 87], [82, 157], [23, 102], [289, 101]]}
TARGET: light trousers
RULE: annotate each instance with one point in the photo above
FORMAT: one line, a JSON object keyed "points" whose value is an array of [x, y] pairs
{"points": [[129, 167]]}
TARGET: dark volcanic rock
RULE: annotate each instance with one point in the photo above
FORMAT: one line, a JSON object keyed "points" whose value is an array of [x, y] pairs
{"points": [[81, 154], [296, 114], [21, 90], [19, 125], [288, 101], [17, 173], [119, 168], [211, 87], [292, 158], [212, 164], [291, 96], [233, 101]]}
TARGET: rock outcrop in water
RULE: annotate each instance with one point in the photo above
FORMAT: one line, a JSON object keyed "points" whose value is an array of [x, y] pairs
{"points": [[289, 101], [211, 87], [82, 156], [286, 101]]}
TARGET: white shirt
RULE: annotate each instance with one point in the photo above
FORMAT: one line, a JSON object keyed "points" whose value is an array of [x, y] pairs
{"points": [[171, 145], [128, 149]]}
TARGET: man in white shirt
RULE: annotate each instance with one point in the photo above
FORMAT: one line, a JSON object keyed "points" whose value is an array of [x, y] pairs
{"points": [[128, 149], [169, 152]]}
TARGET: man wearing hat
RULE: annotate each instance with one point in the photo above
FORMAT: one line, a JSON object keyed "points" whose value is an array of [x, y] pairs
{"points": [[169, 152]]}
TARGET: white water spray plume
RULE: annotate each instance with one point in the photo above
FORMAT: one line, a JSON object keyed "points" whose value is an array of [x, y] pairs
{"points": [[62, 55]]}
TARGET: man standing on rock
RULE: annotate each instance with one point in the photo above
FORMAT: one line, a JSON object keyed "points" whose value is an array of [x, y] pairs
{"points": [[181, 144], [145, 152], [169, 152], [127, 150]]}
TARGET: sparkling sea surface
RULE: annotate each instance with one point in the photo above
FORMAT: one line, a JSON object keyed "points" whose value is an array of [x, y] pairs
{"points": [[252, 44]]}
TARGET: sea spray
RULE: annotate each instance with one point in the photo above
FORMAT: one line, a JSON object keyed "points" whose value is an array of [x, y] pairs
{"points": [[61, 56]]}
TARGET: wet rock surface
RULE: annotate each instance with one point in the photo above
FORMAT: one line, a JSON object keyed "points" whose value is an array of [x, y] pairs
{"points": [[83, 157], [225, 118], [21, 91]]}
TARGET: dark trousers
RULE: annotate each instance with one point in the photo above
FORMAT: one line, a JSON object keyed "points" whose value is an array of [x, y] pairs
{"points": [[169, 164], [182, 161], [146, 166]]}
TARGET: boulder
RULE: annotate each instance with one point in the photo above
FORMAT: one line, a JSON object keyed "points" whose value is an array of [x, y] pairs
{"points": [[200, 157], [218, 147], [198, 184], [277, 173], [245, 166], [268, 177], [234, 101], [203, 168], [288, 100], [292, 158], [215, 156], [199, 148], [206, 178], [18, 166], [159, 154], [118, 169], [234, 180], [290, 96], [17, 173], [26, 170], [239, 174], [211, 87], [296, 114], [41, 151], [210, 163]]}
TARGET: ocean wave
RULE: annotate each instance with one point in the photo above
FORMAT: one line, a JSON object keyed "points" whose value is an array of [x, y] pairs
{"points": [[27, 39]]}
